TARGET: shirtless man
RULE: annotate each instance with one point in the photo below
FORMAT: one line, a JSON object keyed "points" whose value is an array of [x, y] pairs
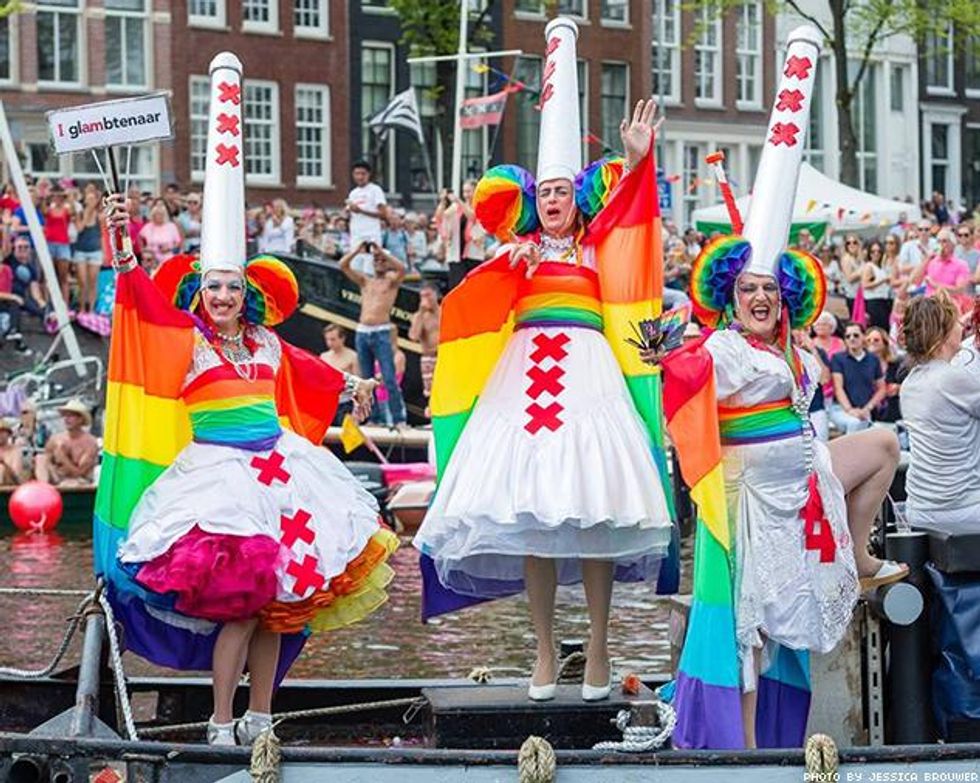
{"points": [[11, 456], [342, 359], [425, 329], [69, 457], [373, 338]]}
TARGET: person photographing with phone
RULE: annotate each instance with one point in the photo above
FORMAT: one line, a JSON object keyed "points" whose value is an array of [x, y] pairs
{"points": [[373, 337], [465, 239]]}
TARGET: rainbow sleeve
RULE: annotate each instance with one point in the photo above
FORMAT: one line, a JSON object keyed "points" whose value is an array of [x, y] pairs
{"points": [[626, 235]]}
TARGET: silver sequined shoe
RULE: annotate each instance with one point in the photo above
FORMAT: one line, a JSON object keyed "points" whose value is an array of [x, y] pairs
{"points": [[220, 733], [251, 725]]}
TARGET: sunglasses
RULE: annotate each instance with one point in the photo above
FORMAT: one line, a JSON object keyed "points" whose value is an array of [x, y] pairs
{"points": [[853, 336], [964, 235], [852, 242]]}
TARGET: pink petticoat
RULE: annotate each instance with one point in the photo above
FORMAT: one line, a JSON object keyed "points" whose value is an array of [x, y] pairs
{"points": [[216, 577]]}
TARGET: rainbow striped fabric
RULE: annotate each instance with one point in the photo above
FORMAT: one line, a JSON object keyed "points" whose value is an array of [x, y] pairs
{"points": [[148, 422], [758, 423], [229, 411], [559, 295], [480, 315], [708, 684]]}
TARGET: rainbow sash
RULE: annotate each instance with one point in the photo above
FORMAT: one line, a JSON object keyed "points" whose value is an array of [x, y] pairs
{"points": [[758, 423], [559, 295], [227, 410]]}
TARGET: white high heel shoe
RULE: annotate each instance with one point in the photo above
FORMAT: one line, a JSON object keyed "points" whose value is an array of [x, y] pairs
{"points": [[543, 692], [596, 692]]}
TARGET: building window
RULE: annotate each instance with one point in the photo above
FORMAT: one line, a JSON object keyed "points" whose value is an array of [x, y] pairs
{"points": [[939, 61], [311, 18], [690, 183], [748, 55], [528, 72], [614, 96], [896, 88], [43, 161], [576, 8], [199, 97], [667, 50], [260, 16], [971, 62], [6, 55], [707, 58], [865, 126], [814, 153], [377, 75], [206, 13], [58, 36], [126, 43], [939, 156], [378, 5], [617, 11], [971, 174], [423, 79], [312, 135], [260, 111]]}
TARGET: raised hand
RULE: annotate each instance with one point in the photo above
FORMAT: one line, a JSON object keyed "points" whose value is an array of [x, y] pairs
{"points": [[637, 133], [530, 254]]}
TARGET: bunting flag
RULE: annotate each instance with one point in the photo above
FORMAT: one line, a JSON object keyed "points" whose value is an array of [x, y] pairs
{"points": [[483, 111], [146, 426], [350, 434]]}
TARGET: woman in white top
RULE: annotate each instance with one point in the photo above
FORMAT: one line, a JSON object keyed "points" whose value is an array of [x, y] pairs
{"points": [[279, 232], [941, 408], [876, 283], [851, 261]]}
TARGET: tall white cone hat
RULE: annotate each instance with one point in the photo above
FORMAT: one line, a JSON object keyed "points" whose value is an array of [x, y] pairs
{"points": [[560, 141], [223, 214], [771, 209]]}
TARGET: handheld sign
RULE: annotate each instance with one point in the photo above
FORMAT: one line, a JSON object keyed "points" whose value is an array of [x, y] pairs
{"points": [[111, 123]]}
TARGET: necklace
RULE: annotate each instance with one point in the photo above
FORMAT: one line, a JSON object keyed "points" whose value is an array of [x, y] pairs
{"points": [[557, 247], [234, 350]]}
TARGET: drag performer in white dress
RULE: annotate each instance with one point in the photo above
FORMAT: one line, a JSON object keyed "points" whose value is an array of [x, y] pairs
{"points": [[226, 535], [775, 573], [553, 479]]}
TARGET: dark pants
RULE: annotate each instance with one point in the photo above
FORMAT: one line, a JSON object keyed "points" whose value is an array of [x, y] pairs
{"points": [[11, 310], [376, 346]]}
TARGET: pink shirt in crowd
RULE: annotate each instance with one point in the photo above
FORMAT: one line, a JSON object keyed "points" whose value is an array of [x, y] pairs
{"points": [[161, 240], [954, 272]]}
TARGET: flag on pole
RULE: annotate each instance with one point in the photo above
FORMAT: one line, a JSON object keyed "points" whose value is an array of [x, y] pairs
{"points": [[401, 112], [485, 110]]}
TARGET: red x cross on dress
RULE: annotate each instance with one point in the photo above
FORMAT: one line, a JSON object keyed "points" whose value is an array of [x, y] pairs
{"points": [[784, 133], [306, 575], [545, 381], [550, 346], [230, 92], [294, 528], [228, 123], [543, 417], [798, 67], [270, 469], [789, 100], [227, 154]]}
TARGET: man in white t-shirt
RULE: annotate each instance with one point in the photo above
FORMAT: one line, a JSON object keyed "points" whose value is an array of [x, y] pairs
{"points": [[367, 206]]}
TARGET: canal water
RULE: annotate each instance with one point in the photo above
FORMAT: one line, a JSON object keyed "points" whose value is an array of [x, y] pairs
{"points": [[390, 643]]}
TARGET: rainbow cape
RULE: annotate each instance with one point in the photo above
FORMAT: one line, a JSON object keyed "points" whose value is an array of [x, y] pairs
{"points": [[707, 689], [146, 426], [478, 318]]}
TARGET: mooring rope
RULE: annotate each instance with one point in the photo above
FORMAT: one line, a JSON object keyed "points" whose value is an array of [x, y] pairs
{"points": [[266, 758], [642, 739], [317, 712], [536, 762], [43, 591], [37, 674], [118, 673], [821, 758]]}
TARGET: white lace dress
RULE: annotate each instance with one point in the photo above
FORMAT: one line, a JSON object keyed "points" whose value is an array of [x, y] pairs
{"points": [[784, 592]]}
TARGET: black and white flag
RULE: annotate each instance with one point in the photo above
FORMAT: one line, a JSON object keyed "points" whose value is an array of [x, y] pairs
{"points": [[401, 112]]}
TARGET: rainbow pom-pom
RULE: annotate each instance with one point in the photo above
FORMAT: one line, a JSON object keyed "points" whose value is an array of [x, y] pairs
{"points": [[594, 184], [803, 286], [713, 277], [179, 278], [272, 292], [504, 202]]}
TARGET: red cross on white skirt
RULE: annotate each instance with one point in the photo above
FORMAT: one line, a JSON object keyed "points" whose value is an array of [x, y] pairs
{"points": [[543, 417], [270, 469], [294, 528], [545, 381], [553, 347], [306, 575]]}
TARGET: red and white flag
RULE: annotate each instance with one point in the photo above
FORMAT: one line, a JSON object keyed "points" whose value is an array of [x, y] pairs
{"points": [[486, 110]]}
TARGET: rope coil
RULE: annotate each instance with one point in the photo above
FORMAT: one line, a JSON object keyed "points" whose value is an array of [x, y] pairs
{"points": [[536, 762], [642, 739], [266, 758], [821, 758]]}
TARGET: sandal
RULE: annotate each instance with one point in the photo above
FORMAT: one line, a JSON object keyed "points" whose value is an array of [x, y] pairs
{"points": [[888, 573]]}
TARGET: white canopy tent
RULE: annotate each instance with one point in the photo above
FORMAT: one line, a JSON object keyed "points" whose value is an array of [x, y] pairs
{"points": [[821, 202]]}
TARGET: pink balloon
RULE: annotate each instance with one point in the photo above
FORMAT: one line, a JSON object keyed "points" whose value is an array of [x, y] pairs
{"points": [[36, 506]]}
